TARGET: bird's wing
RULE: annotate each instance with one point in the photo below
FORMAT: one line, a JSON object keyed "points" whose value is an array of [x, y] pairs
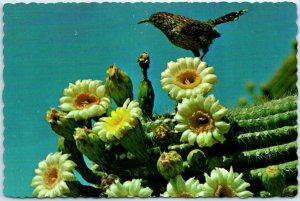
{"points": [[196, 28]]}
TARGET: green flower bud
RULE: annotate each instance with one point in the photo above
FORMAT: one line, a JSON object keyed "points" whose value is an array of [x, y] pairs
{"points": [[92, 146], [61, 125], [118, 85], [179, 187], [273, 180], [69, 147], [170, 164], [146, 98], [144, 61]]}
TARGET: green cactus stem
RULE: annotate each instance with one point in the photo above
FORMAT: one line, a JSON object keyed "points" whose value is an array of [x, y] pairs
{"points": [[270, 121], [146, 98], [79, 190], [289, 169], [266, 137], [93, 147], [145, 90], [255, 157], [118, 85], [254, 176], [273, 107], [264, 121], [69, 147], [264, 155], [178, 184], [277, 125], [121, 163], [134, 142], [290, 85], [284, 80]]}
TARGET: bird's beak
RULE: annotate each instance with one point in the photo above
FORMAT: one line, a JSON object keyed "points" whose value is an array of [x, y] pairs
{"points": [[143, 21]]}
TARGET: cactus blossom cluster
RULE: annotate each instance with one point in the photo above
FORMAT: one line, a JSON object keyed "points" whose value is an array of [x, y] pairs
{"points": [[201, 149]]}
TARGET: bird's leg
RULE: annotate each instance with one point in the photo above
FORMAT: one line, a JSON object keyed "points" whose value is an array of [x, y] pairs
{"points": [[204, 53], [196, 53]]}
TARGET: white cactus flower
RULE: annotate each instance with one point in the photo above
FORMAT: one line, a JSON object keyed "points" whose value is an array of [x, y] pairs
{"points": [[52, 174], [84, 99], [199, 120], [187, 77]]}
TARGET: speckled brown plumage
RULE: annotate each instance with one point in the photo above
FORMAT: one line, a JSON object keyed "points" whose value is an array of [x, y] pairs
{"points": [[188, 33]]}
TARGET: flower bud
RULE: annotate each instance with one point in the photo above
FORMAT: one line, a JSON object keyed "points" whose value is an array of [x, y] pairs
{"points": [[170, 164], [61, 125], [146, 98], [90, 145], [118, 85]]}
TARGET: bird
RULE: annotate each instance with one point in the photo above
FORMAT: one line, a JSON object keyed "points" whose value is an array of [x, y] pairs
{"points": [[190, 34]]}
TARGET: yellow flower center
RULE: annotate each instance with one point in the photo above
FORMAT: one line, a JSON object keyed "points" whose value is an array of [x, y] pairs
{"points": [[117, 121], [201, 122], [85, 100], [51, 177], [188, 79], [224, 191]]}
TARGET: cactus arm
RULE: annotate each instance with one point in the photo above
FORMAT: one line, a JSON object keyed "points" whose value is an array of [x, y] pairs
{"points": [[255, 157], [79, 190], [263, 155], [76, 156], [273, 107], [289, 168], [261, 138], [145, 90]]}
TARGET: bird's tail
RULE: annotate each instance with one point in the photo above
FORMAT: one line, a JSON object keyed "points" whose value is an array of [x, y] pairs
{"points": [[229, 17]]}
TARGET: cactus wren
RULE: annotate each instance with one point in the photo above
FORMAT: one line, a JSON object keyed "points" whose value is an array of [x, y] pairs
{"points": [[188, 33]]}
